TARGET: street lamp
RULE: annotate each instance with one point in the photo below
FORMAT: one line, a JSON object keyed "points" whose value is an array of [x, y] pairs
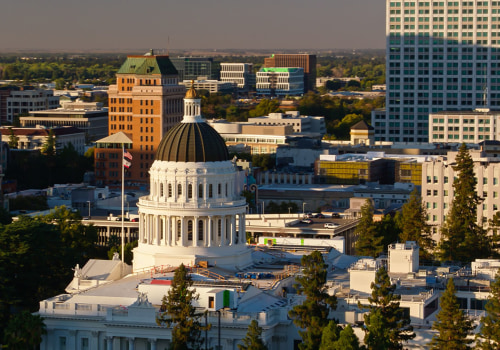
{"points": [[89, 208], [304, 207], [289, 209]]}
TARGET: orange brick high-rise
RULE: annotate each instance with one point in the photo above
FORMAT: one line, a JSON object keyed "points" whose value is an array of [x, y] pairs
{"points": [[145, 103]]}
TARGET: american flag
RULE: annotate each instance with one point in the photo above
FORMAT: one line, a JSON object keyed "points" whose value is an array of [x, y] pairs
{"points": [[127, 155]]}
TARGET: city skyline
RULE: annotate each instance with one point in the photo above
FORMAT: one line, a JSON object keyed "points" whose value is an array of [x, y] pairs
{"points": [[125, 25]]}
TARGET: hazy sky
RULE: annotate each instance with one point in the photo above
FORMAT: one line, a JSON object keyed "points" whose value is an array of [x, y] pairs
{"points": [[204, 24]]}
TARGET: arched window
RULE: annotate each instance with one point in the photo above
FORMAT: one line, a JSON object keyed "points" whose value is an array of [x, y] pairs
{"points": [[190, 191], [179, 190], [190, 230], [200, 191], [200, 230], [169, 190]]}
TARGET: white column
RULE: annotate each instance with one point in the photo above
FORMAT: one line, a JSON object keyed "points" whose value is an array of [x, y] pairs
{"points": [[195, 231], [210, 231], [153, 343], [109, 342], [232, 232], [131, 342], [223, 231], [158, 229]]}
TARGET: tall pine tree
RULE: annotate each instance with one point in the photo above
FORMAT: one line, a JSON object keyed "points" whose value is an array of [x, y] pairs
{"points": [[253, 339], [462, 238], [368, 243], [387, 325], [312, 315], [413, 224], [177, 311], [489, 337], [452, 324]]}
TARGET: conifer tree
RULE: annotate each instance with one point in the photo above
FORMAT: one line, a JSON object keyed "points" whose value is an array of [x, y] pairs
{"points": [[462, 238], [312, 315], [253, 339], [489, 337], [177, 311], [452, 324], [329, 336], [347, 340], [413, 224], [369, 243], [387, 325]]}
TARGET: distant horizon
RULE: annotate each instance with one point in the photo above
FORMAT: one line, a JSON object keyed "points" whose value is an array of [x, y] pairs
{"points": [[117, 25]]}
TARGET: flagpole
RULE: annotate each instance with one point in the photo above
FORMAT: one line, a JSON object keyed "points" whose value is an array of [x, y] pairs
{"points": [[123, 204]]}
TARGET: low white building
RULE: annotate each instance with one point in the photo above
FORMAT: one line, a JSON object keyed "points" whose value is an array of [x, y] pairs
{"points": [[300, 123], [35, 138]]}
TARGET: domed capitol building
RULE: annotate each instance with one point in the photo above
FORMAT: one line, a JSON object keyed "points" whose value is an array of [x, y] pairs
{"points": [[195, 211]]}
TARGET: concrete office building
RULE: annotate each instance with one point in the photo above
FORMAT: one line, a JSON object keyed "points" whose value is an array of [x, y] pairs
{"points": [[29, 99], [90, 117], [440, 56], [305, 61], [437, 185], [464, 126], [239, 73], [190, 68], [280, 81]]}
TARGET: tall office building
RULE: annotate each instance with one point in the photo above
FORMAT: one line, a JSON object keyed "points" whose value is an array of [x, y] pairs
{"points": [[190, 68], [145, 103], [305, 61], [441, 55]]}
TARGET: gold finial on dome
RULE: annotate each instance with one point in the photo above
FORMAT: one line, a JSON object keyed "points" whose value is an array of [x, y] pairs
{"points": [[191, 93]]}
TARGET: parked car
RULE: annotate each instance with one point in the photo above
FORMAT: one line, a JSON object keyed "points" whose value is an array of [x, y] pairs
{"points": [[306, 221], [330, 225]]}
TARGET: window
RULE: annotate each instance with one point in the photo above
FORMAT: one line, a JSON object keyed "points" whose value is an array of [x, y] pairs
{"points": [[190, 230], [219, 189], [200, 230], [210, 194], [190, 191], [62, 343], [169, 190], [161, 190], [179, 189], [200, 191]]}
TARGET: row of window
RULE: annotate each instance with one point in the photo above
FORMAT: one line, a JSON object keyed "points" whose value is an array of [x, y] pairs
{"points": [[190, 190]]}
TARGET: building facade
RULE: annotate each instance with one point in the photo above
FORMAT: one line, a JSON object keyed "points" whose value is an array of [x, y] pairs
{"points": [[305, 61], [90, 117], [21, 102], [438, 193], [280, 81], [212, 86], [464, 126], [36, 138], [190, 68], [440, 56], [239, 73], [300, 123], [145, 103]]}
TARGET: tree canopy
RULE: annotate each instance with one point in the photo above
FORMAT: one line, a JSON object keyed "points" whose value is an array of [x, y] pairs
{"points": [[312, 315], [387, 326], [462, 238], [452, 324], [253, 339], [368, 243], [177, 311], [489, 337]]}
